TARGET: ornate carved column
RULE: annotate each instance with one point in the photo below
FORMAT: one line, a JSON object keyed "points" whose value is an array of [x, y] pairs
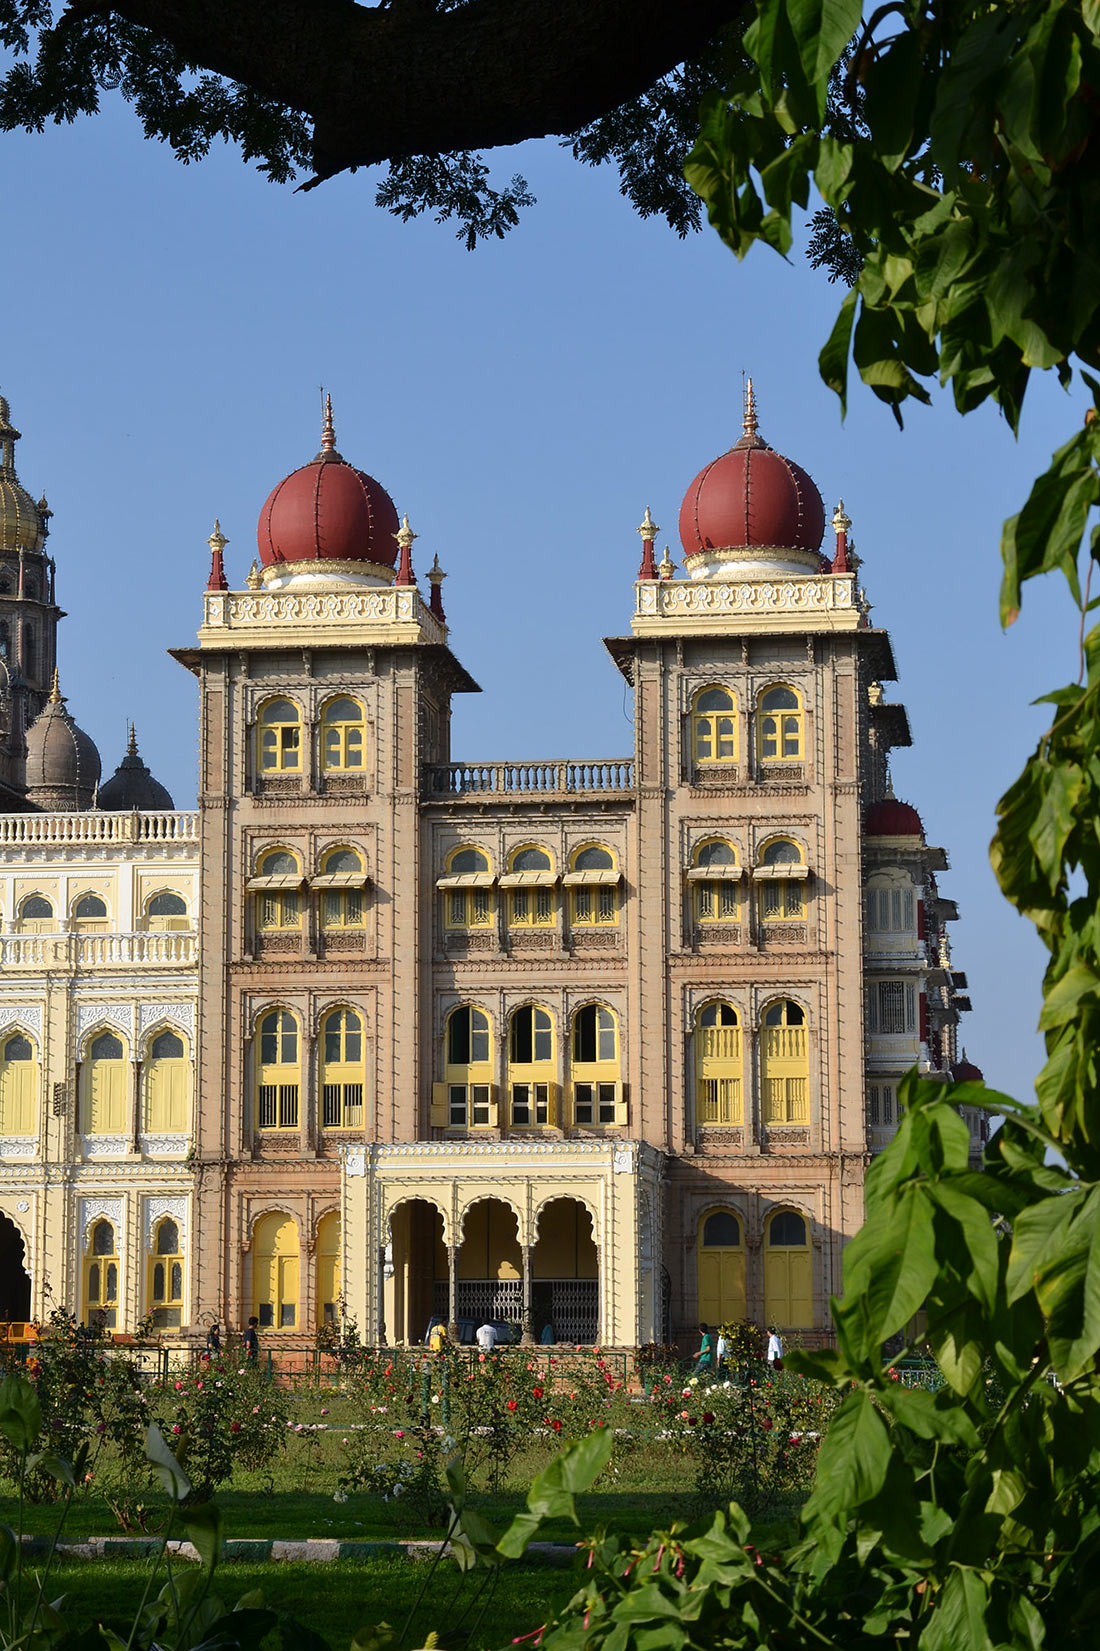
{"points": [[528, 1338], [452, 1286]]}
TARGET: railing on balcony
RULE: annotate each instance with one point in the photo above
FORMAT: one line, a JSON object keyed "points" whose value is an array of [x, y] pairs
{"points": [[98, 951], [536, 779], [100, 826]]}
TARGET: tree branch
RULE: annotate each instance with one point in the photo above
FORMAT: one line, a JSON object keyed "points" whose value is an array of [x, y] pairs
{"points": [[385, 84]]}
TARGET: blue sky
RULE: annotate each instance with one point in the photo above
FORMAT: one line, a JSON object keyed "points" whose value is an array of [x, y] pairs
{"points": [[164, 333]]}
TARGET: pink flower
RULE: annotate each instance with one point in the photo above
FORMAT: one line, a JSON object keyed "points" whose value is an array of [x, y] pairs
{"points": [[177, 1428], [234, 1427]]}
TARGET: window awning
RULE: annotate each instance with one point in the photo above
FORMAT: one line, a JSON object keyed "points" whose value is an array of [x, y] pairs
{"points": [[286, 880], [765, 873], [340, 880], [715, 874], [527, 879], [572, 878], [467, 880]]}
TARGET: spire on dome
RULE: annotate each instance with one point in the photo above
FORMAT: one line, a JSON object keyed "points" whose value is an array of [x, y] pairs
{"points": [[55, 690], [649, 531], [436, 577], [328, 453], [750, 409], [405, 537], [131, 743], [841, 523], [217, 542], [9, 435]]}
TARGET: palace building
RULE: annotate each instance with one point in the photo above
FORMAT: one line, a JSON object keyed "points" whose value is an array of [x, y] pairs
{"points": [[600, 1048]]}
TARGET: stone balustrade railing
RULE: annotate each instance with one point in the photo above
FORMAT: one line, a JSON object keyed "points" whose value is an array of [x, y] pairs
{"points": [[539, 779], [98, 951], [100, 826]]}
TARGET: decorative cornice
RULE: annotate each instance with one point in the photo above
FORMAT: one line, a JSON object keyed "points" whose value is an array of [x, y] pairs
{"points": [[386, 615], [817, 601]]}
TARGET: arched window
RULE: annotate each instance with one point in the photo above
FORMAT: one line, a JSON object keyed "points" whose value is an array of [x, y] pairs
{"points": [[891, 906], [343, 1072], [166, 1276], [90, 914], [788, 1272], [101, 1270], [780, 877], [30, 653], [166, 1076], [530, 880], [715, 879], [465, 1098], [468, 889], [532, 1069], [597, 1090], [279, 738], [784, 1065], [166, 912], [278, 1075], [714, 726], [594, 880], [18, 1086], [275, 1272], [718, 1065], [328, 1268], [342, 736], [341, 884], [36, 915], [105, 1084], [779, 725], [277, 887], [721, 1269]]}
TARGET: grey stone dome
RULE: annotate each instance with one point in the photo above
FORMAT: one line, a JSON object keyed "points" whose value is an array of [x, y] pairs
{"points": [[132, 785], [63, 764]]}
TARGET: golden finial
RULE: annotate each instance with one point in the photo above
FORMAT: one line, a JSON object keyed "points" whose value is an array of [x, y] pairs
{"points": [[749, 422], [55, 689], [255, 578], [328, 429], [666, 567], [436, 574], [405, 534], [649, 529], [131, 743], [841, 522], [217, 540]]}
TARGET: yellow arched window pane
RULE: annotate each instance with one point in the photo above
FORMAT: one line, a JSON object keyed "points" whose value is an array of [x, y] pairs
{"points": [[714, 726], [105, 1081], [328, 1268], [90, 914], [275, 1272], [279, 906], [343, 1070], [165, 1276], [717, 899], [784, 1065], [36, 915], [343, 907], [780, 726], [722, 1297], [718, 1066], [467, 1100], [532, 1068], [167, 1078], [279, 738], [166, 912], [18, 1087], [782, 898], [595, 887], [101, 1276], [343, 729], [278, 1076], [597, 1090], [468, 904], [788, 1272]]}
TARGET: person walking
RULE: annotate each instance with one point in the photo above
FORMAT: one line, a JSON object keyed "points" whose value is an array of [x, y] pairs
{"points": [[437, 1337], [721, 1351], [704, 1359], [252, 1341], [214, 1341], [486, 1337], [775, 1348]]}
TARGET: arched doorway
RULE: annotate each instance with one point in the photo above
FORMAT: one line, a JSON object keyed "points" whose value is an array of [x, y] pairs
{"points": [[275, 1252], [490, 1268], [565, 1274], [721, 1269], [416, 1286], [788, 1272], [15, 1284]]}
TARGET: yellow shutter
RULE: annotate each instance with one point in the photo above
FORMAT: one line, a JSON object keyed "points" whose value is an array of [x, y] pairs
{"points": [[108, 1107], [17, 1098], [439, 1105]]}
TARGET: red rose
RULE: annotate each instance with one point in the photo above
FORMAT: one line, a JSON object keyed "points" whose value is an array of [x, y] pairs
{"points": [[556, 1425], [708, 1415], [511, 1405], [537, 1391], [766, 1423], [234, 1427]]}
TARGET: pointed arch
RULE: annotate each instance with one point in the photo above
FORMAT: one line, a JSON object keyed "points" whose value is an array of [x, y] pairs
{"points": [[784, 1063], [105, 1082], [20, 1082], [166, 1078]]}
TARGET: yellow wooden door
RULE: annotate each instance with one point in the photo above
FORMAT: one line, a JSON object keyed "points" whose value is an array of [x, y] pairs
{"points": [[722, 1286], [788, 1288]]}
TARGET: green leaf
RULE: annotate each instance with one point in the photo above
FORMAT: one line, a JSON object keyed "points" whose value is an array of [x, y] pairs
{"points": [[20, 1412], [893, 83], [1063, 1000], [553, 1492], [203, 1525], [833, 360], [164, 1464], [891, 1263], [851, 1467], [55, 1466], [822, 29], [926, 1415], [960, 1615]]}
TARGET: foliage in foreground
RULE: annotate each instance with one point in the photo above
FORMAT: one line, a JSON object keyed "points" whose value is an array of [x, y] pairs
{"points": [[970, 1517]]}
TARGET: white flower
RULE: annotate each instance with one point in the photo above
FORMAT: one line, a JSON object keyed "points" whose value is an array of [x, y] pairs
{"points": [[340, 1496]]}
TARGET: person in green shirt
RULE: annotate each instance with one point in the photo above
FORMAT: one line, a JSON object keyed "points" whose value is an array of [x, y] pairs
{"points": [[704, 1359]]}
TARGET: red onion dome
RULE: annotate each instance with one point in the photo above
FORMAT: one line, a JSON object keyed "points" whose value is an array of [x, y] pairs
{"points": [[328, 511], [893, 818], [965, 1071], [751, 498]]}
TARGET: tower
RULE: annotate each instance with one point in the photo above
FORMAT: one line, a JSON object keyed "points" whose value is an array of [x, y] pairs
{"points": [[28, 611]]}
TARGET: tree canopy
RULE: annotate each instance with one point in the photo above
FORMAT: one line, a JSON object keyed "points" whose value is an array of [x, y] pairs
{"points": [[422, 87]]}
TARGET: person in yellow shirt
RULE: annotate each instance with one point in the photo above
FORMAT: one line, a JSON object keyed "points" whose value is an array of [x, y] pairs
{"points": [[437, 1338]]}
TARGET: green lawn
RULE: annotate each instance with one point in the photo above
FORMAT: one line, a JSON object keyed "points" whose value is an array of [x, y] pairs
{"points": [[337, 1600]]}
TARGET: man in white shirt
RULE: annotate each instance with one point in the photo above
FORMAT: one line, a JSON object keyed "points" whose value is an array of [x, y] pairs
{"points": [[775, 1347], [721, 1352], [486, 1338]]}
